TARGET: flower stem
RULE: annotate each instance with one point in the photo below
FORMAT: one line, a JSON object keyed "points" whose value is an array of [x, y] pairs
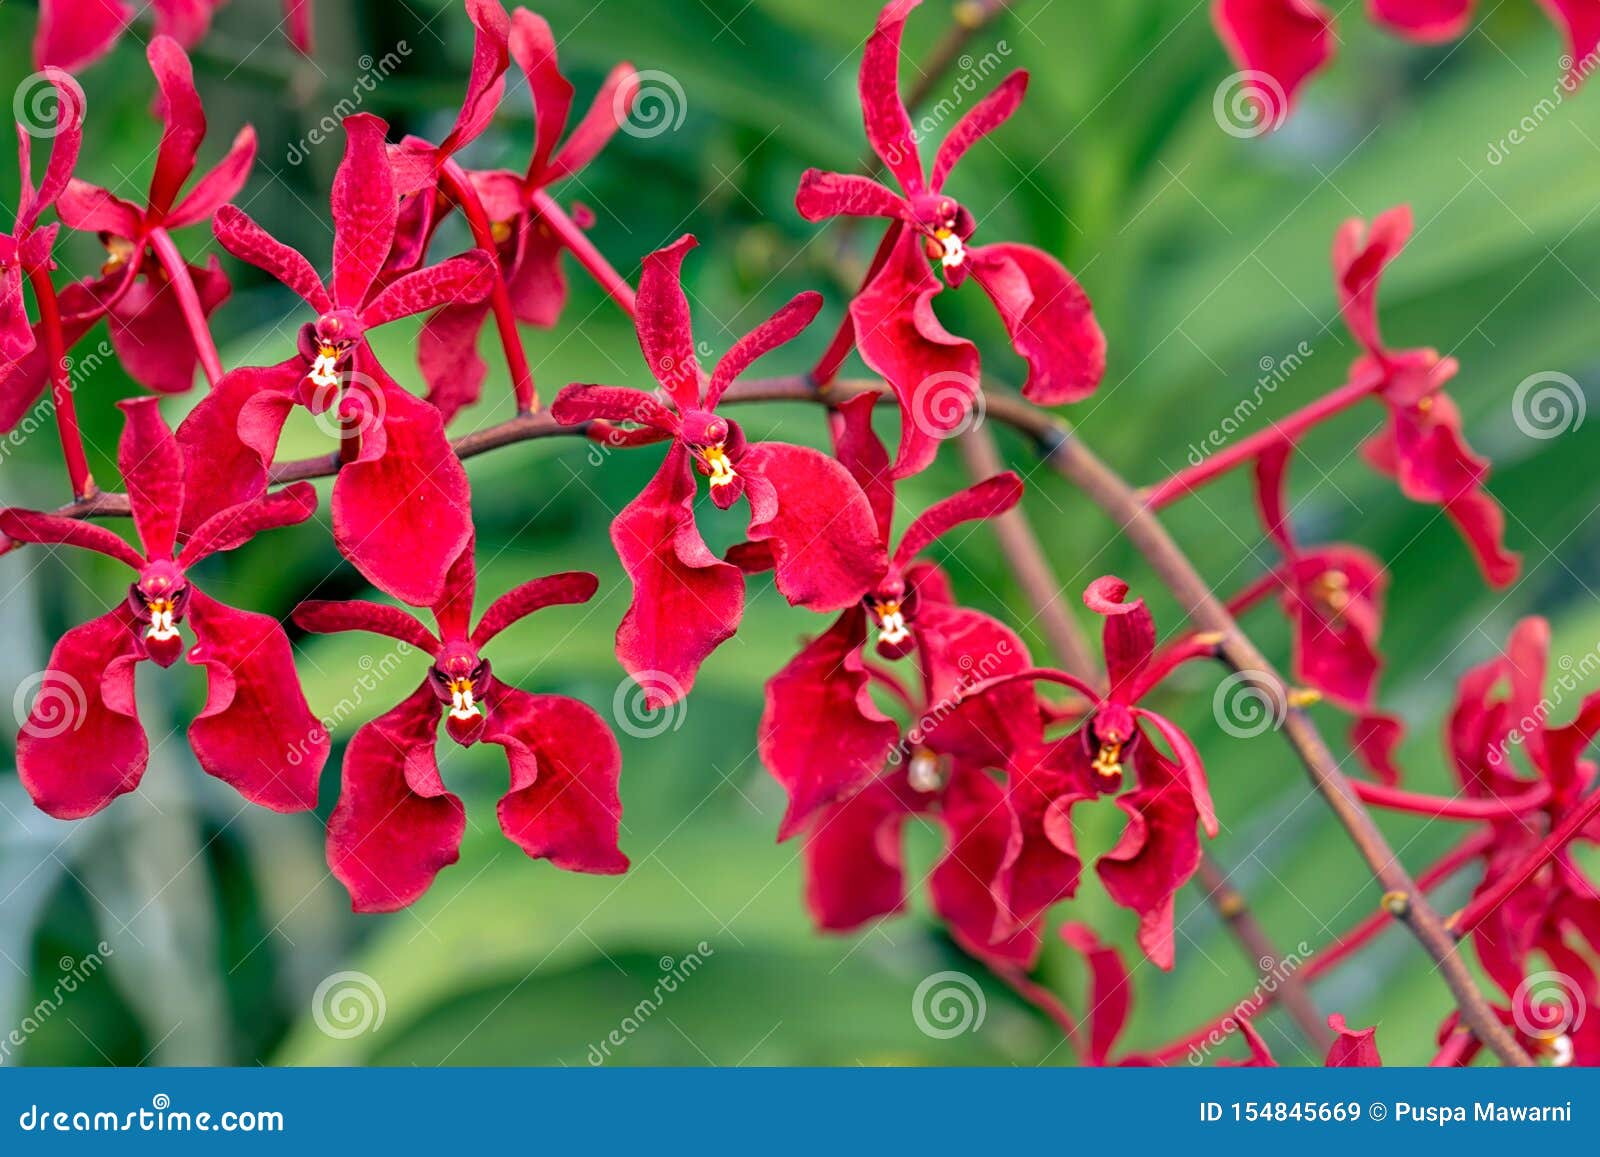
{"points": [[844, 338], [61, 386], [579, 245], [461, 191], [1440, 807], [1286, 430], [194, 314]]}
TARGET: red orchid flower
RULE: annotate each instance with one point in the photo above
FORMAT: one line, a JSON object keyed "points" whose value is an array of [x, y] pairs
{"points": [[822, 736], [145, 281], [396, 824], [804, 506], [1159, 851], [400, 502], [1557, 907], [1045, 311], [1282, 43], [1352, 1048], [516, 206], [26, 250], [1423, 449], [75, 33], [83, 744]]}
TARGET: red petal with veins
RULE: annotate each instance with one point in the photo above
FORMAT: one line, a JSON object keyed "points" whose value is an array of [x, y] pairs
{"points": [[563, 804], [861, 452], [822, 738], [73, 33], [824, 536], [395, 825], [183, 122], [402, 513], [686, 601], [466, 278], [556, 590], [974, 818], [1189, 765], [91, 209], [447, 356], [582, 403], [1041, 865], [887, 122], [231, 435], [853, 862], [65, 144], [82, 744], [784, 326], [984, 118], [663, 324], [231, 528], [32, 526], [536, 281], [1157, 854], [1336, 650], [149, 332], [598, 125], [326, 618], [961, 647], [485, 78], [151, 463], [988, 499], [1283, 41], [365, 210], [823, 194], [934, 375], [452, 610], [256, 732], [1049, 318], [533, 46], [252, 244], [219, 185]]}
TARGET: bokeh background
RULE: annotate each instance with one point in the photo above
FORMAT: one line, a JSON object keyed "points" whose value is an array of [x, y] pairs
{"points": [[1206, 254]]}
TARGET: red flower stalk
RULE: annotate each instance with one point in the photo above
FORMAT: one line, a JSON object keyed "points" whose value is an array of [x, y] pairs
{"points": [[83, 744], [400, 502], [805, 508], [75, 33], [1280, 44], [1532, 901], [396, 824], [1045, 311], [1159, 850], [512, 216], [822, 736], [157, 303]]}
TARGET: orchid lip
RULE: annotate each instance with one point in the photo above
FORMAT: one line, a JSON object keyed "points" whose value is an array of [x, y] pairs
{"points": [[892, 628], [718, 464]]}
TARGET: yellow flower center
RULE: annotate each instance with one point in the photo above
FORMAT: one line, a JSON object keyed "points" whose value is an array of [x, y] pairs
{"points": [[163, 626], [891, 622], [953, 251], [119, 251], [325, 369], [719, 464], [1108, 763], [500, 231], [462, 704], [1331, 590]]}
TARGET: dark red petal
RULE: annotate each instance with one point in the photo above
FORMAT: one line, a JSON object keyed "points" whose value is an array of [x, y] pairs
{"points": [[861, 452], [519, 602], [1279, 44], [231, 435], [934, 375], [563, 804], [1354, 1048], [974, 814], [152, 338], [1049, 318], [988, 499], [1359, 259], [365, 210], [1424, 20], [73, 33], [580, 403], [533, 46], [1190, 767], [1129, 637], [784, 326], [822, 529], [452, 610], [466, 278], [183, 121], [686, 601], [853, 861], [325, 618], [1110, 996], [256, 732], [984, 118], [1271, 473], [403, 515], [447, 356], [82, 744], [231, 528], [219, 185], [91, 209], [1375, 738], [65, 144], [1580, 20], [32, 526], [252, 244], [959, 649], [486, 78], [186, 21], [1336, 651], [822, 738], [1041, 866], [152, 472], [1482, 523], [1260, 1054], [395, 825], [1157, 854], [297, 16], [823, 194], [887, 122], [598, 125], [663, 324], [536, 281]]}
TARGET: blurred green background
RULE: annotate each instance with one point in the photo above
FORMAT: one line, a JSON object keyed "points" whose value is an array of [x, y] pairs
{"points": [[1206, 256]]}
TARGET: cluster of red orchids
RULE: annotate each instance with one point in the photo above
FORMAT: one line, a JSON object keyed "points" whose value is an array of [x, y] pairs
{"points": [[907, 706]]}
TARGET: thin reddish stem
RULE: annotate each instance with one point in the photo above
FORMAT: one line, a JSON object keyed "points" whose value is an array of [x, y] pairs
{"points": [[1563, 834], [194, 314], [844, 339], [1443, 808], [61, 387], [578, 244], [1285, 430], [1450, 1053], [460, 190]]}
